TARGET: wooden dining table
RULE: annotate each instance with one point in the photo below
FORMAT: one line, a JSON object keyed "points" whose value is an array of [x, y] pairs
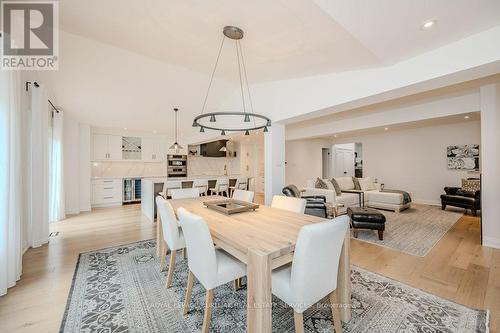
{"points": [[264, 239]]}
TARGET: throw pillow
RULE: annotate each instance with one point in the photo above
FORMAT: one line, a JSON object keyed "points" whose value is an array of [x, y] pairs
{"points": [[320, 183], [345, 183], [366, 184], [471, 185], [356, 183], [336, 186]]}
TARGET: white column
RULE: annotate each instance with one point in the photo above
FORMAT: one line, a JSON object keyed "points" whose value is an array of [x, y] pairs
{"points": [[274, 161], [490, 163]]}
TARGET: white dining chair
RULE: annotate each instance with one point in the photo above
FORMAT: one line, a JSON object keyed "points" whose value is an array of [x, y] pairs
{"points": [[201, 185], [168, 186], [241, 184], [313, 272], [289, 203], [185, 193], [221, 186], [212, 267], [172, 236], [243, 195]]}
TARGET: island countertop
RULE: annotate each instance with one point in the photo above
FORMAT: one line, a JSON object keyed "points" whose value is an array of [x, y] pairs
{"points": [[151, 186]]}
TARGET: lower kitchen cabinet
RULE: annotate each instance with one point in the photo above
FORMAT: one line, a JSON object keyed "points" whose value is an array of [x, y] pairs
{"points": [[107, 192]]}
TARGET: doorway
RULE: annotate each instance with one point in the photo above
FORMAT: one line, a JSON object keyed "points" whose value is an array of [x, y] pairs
{"points": [[325, 165], [347, 160]]}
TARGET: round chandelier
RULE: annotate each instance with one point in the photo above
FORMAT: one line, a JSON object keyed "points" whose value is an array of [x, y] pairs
{"points": [[245, 121]]}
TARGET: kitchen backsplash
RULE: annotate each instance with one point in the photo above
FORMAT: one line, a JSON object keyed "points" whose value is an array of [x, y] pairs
{"points": [[212, 166], [197, 166], [128, 169]]}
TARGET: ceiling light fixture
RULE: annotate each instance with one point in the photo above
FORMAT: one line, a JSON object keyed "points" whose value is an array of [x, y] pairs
{"points": [[176, 145], [386, 129], [428, 24], [466, 117], [249, 121]]}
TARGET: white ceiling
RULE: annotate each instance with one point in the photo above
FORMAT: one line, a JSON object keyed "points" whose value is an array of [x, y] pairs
{"points": [[284, 38]]}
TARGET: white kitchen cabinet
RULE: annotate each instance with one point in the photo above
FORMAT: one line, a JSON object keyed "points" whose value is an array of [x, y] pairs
{"points": [[107, 147], [107, 192], [153, 150]]}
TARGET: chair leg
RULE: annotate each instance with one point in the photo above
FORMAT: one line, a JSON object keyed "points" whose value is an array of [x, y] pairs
{"points": [[184, 252], [163, 256], [208, 311], [189, 290], [380, 234], [355, 232], [170, 273], [335, 311], [298, 319], [237, 284]]}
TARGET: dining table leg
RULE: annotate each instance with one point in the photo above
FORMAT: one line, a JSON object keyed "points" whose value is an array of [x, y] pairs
{"points": [[344, 280], [159, 235], [259, 294]]}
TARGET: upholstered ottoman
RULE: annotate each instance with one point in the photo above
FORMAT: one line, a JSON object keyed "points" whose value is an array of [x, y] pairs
{"points": [[366, 218]]}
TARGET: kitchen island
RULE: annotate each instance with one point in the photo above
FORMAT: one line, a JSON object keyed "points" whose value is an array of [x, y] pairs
{"points": [[151, 187]]}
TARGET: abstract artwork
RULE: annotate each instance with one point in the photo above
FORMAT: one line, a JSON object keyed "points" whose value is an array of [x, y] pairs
{"points": [[464, 157]]}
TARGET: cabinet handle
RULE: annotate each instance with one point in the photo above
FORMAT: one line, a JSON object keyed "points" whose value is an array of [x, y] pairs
{"points": [[108, 197], [108, 188]]}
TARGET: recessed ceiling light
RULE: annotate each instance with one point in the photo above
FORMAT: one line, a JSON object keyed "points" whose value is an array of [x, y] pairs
{"points": [[386, 129], [125, 128], [466, 117], [335, 136], [428, 24]]}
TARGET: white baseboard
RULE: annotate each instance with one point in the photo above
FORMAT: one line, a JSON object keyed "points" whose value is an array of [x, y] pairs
{"points": [[491, 242]]}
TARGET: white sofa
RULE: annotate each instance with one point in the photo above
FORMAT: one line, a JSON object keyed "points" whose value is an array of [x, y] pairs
{"points": [[373, 197]]}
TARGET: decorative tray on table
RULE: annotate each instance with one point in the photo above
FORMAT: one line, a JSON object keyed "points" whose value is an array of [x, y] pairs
{"points": [[230, 206]]}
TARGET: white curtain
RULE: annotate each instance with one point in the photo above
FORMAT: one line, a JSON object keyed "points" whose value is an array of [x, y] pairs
{"points": [[56, 187], [11, 180], [38, 169]]}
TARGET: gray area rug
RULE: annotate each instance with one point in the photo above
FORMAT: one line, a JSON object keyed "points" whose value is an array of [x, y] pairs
{"points": [[415, 230], [120, 289]]}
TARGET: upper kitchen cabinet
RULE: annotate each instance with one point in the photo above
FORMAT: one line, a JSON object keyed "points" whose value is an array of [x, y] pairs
{"points": [[153, 149], [107, 147]]}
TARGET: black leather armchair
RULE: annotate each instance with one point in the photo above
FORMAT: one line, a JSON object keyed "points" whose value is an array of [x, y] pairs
{"points": [[315, 203], [457, 197]]}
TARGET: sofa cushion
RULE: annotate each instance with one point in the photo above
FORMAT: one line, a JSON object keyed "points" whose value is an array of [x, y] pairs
{"points": [[366, 184], [336, 186], [345, 183], [348, 199]]}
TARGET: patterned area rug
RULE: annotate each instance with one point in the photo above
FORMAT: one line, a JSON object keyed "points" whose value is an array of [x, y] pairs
{"points": [[415, 230], [120, 289]]}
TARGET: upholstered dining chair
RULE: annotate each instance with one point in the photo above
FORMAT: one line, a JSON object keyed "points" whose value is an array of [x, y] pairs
{"points": [[313, 272], [172, 236], [221, 186], [168, 186], [201, 185], [185, 193], [289, 203], [243, 195], [212, 267], [241, 184]]}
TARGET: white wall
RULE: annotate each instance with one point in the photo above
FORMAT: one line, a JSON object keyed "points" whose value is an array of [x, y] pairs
{"points": [[490, 135], [84, 160], [415, 159], [304, 160], [76, 168], [71, 165]]}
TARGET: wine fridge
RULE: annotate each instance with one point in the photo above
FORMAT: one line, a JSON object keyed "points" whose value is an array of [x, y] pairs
{"points": [[131, 190]]}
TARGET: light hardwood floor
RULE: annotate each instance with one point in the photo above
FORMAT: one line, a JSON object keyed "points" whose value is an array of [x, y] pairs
{"points": [[458, 268]]}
